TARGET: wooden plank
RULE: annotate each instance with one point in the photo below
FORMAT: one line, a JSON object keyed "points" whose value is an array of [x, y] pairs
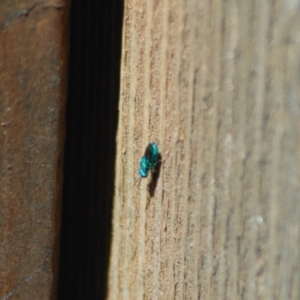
{"points": [[216, 85], [33, 60]]}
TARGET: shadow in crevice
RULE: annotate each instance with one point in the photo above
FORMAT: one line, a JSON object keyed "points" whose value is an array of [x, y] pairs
{"points": [[90, 148]]}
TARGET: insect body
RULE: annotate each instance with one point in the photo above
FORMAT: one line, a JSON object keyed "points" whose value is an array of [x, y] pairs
{"points": [[149, 160]]}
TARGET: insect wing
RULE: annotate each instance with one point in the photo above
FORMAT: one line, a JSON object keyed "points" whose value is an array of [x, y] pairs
{"points": [[151, 153], [148, 152]]}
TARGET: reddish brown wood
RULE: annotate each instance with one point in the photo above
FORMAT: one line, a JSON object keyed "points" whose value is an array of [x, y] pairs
{"points": [[33, 60]]}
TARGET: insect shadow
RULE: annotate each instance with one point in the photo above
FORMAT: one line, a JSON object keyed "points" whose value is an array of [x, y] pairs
{"points": [[154, 176]]}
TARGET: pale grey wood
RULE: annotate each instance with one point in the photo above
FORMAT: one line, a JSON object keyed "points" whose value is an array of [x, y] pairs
{"points": [[216, 85]]}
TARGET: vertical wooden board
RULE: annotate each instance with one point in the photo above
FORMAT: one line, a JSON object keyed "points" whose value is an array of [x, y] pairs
{"points": [[33, 61], [216, 85]]}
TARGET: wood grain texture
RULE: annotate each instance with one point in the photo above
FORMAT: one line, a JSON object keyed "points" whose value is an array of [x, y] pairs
{"points": [[33, 61], [216, 85]]}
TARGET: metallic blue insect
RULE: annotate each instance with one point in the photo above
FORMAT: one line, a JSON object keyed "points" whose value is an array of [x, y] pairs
{"points": [[149, 160]]}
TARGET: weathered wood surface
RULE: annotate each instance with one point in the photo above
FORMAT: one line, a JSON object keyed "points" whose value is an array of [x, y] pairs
{"points": [[33, 60], [216, 85]]}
